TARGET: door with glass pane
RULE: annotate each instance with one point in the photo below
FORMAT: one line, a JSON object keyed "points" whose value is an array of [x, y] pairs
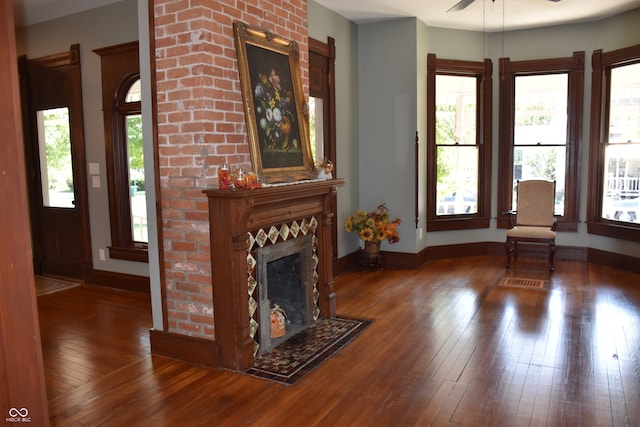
{"points": [[54, 146]]}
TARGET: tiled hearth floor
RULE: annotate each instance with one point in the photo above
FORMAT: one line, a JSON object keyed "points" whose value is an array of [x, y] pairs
{"points": [[291, 360]]}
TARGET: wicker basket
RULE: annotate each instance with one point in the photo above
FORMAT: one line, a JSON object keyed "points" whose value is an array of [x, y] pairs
{"points": [[372, 249]]}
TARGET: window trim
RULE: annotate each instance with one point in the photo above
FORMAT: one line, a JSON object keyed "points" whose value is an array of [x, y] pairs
{"points": [[574, 66], [120, 70], [123, 245], [483, 71], [601, 64]]}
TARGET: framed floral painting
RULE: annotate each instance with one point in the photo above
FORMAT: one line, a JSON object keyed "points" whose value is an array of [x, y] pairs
{"points": [[277, 127]]}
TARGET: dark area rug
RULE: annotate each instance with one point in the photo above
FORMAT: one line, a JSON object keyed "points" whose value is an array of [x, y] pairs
{"points": [[297, 356]]}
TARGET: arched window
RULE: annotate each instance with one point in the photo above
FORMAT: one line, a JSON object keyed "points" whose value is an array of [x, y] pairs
{"points": [[129, 149], [122, 104]]}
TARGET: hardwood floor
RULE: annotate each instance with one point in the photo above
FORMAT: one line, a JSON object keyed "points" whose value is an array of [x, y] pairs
{"points": [[447, 348]]}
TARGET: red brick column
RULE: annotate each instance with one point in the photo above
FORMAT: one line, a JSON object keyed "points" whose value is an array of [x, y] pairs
{"points": [[200, 126]]}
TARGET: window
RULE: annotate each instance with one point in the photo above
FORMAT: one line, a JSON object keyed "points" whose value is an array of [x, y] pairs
{"points": [[56, 168], [128, 172], [540, 126], [614, 190], [540, 131], [129, 118], [122, 104], [458, 144]]}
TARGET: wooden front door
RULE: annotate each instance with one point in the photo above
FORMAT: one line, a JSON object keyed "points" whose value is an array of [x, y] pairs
{"points": [[55, 156]]}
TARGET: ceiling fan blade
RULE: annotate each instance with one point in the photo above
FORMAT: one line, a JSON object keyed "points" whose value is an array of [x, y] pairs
{"points": [[460, 5], [555, 1]]}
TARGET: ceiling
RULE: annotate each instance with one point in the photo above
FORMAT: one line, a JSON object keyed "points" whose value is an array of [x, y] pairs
{"points": [[29, 12], [490, 15]]}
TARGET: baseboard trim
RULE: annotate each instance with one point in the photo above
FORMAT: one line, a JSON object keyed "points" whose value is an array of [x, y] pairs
{"points": [[127, 282], [194, 350], [409, 261], [622, 262]]}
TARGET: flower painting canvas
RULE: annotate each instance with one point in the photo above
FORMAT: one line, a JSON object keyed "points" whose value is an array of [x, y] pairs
{"points": [[272, 94], [275, 108]]}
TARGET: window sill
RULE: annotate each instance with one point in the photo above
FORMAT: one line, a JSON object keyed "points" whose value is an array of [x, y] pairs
{"points": [[615, 229], [137, 254], [457, 223]]}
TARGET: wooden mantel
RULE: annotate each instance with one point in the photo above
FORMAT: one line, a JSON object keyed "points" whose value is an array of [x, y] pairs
{"points": [[231, 215]]}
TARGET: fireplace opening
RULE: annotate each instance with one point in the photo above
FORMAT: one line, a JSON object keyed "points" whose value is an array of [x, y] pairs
{"points": [[284, 274]]}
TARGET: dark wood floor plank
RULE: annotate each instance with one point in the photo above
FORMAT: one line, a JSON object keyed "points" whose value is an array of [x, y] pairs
{"points": [[446, 347]]}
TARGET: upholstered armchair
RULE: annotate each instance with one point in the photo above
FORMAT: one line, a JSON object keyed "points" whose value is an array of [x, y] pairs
{"points": [[534, 221]]}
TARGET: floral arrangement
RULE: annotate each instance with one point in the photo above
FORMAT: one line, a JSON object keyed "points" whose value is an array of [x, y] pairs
{"points": [[275, 110], [373, 226]]}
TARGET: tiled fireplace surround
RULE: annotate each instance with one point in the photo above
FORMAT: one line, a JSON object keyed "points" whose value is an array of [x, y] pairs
{"points": [[242, 222]]}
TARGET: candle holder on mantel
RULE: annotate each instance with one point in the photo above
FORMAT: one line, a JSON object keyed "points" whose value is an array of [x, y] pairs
{"points": [[237, 180]]}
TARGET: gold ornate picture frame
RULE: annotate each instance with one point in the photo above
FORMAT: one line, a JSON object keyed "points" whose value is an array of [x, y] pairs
{"points": [[277, 127]]}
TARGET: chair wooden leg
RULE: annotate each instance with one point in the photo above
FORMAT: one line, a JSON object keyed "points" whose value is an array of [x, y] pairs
{"points": [[552, 253], [508, 249]]}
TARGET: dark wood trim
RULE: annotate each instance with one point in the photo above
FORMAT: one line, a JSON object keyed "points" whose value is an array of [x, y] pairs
{"points": [[346, 263], [232, 214], [322, 58], [459, 251], [134, 253], [622, 262], [194, 350], [482, 71], [601, 64], [40, 92], [120, 66], [399, 260], [111, 279], [21, 363], [416, 182], [574, 66], [596, 149]]}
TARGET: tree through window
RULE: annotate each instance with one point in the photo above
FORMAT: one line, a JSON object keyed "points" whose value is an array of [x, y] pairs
{"points": [[122, 104], [540, 127], [458, 144]]}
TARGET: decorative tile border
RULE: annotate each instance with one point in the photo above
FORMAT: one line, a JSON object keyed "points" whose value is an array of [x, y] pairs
{"points": [[259, 239]]}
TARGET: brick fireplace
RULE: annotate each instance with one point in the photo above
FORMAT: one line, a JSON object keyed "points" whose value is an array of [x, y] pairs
{"points": [[242, 224]]}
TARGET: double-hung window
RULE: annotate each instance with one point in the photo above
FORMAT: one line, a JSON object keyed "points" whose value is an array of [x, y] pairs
{"points": [[540, 127], [458, 144], [614, 185]]}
